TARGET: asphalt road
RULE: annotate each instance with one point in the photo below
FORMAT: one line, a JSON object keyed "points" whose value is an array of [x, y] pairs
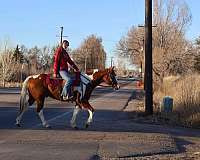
{"points": [[111, 135], [57, 113]]}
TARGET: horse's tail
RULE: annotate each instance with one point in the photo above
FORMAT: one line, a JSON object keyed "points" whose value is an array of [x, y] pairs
{"points": [[24, 91]]}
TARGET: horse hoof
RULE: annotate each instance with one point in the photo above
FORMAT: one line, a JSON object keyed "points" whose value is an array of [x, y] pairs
{"points": [[18, 125], [87, 125], [73, 125], [47, 126], [76, 128]]}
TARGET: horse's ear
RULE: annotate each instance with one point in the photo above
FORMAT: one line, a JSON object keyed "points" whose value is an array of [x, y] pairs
{"points": [[112, 68], [109, 69]]}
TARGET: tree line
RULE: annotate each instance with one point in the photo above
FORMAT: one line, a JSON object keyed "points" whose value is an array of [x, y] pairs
{"points": [[19, 62], [173, 54]]}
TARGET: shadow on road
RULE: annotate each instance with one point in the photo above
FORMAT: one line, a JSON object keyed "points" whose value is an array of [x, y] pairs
{"points": [[103, 121]]}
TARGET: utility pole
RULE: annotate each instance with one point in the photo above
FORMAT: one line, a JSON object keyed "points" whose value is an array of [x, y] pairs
{"points": [[143, 50], [141, 70], [111, 61], [148, 58], [21, 77], [86, 64], [61, 35]]}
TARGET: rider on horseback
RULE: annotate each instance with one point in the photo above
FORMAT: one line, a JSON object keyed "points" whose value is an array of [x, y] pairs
{"points": [[61, 61]]}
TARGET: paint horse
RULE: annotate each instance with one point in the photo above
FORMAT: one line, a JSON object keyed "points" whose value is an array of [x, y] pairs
{"points": [[38, 87]]}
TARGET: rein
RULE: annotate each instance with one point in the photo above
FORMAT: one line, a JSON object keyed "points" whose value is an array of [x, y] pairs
{"points": [[90, 81], [59, 78], [103, 85], [85, 78]]}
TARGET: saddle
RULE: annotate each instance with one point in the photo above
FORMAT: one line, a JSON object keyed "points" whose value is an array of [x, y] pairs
{"points": [[56, 83], [77, 80]]}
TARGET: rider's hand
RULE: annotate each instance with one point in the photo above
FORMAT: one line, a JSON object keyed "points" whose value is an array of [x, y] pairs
{"points": [[55, 75]]}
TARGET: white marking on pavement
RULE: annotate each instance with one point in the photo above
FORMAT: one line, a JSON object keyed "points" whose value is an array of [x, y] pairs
{"points": [[66, 113], [56, 117]]}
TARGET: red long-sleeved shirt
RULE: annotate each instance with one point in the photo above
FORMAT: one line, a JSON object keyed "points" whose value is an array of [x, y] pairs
{"points": [[64, 58]]}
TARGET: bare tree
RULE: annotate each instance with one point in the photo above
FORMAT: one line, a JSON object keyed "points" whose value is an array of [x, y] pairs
{"points": [[170, 48], [197, 55], [44, 58], [33, 59], [8, 67], [132, 46], [91, 54], [7, 64]]}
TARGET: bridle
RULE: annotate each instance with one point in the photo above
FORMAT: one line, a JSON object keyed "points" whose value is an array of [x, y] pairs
{"points": [[113, 79]]}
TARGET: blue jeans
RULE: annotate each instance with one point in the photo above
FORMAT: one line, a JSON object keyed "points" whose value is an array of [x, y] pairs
{"points": [[69, 80]]}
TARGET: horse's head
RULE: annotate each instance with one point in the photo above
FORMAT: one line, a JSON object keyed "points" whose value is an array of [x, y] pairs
{"points": [[110, 78]]}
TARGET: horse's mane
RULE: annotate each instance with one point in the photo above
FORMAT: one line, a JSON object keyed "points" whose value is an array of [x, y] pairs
{"points": [[100, 73]]}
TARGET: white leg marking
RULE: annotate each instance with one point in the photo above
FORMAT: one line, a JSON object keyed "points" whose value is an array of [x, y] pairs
{"points": [[73, 120], [89, 117], [44, 123], [18, 119]]}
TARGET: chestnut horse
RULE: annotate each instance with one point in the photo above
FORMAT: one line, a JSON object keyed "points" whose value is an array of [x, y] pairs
{"points": [[38, 87]]}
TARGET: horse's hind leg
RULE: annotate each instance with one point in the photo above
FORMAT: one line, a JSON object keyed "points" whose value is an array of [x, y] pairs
{"points": [[23, 107], [19, 117], [40, 104]]}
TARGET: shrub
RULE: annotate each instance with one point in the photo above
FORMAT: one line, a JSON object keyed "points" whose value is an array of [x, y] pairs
{"points": [[185, 91]]}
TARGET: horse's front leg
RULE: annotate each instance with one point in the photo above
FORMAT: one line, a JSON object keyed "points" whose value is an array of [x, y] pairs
{"points": [[40, 104], [75, 113], [90, 116], [90, 109]]}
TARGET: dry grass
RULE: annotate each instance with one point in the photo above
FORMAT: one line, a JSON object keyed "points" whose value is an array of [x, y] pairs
{"points": [[11, 84], [186, 94]]}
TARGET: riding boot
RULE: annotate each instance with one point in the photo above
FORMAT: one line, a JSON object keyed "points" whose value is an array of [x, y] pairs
{"points": [[69, 95]]}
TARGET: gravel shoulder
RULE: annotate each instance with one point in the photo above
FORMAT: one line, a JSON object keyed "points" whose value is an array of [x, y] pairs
{"points": [[186, 139]]}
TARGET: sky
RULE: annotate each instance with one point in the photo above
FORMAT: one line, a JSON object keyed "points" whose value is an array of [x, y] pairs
{"points": [[37, 22]]}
